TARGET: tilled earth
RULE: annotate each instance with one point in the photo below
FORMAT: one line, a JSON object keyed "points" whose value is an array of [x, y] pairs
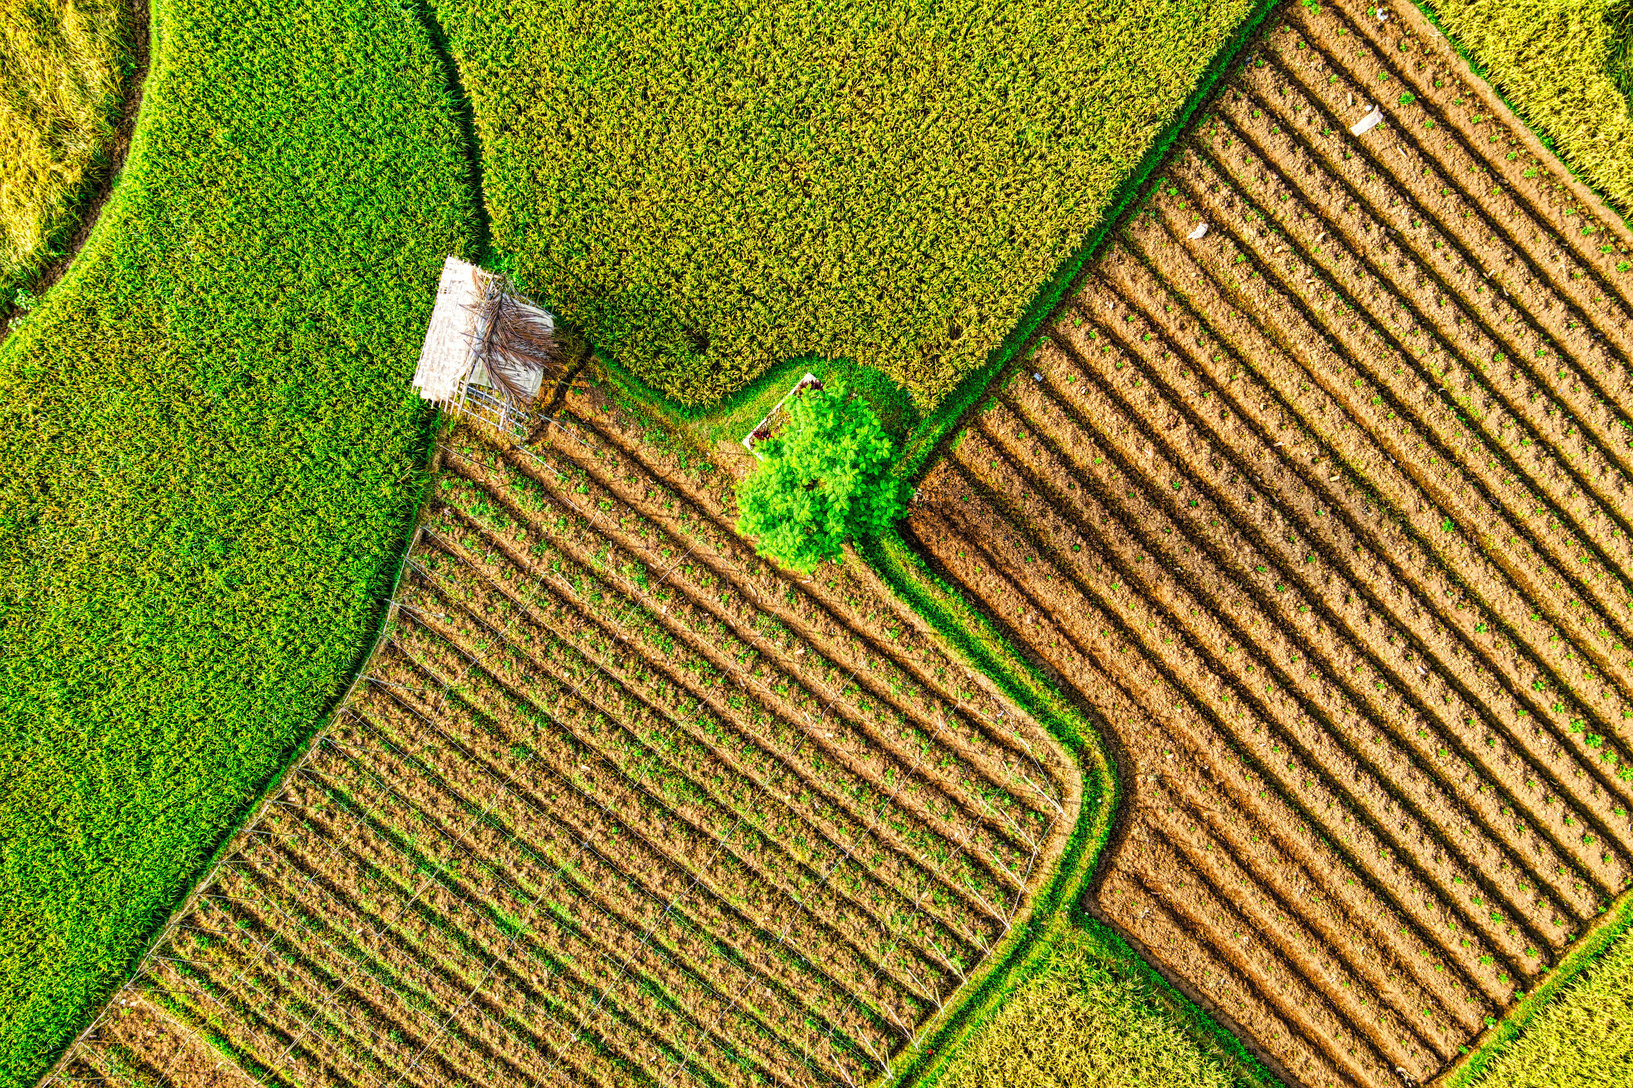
{"points": [[1324, 511], [616, 802]]}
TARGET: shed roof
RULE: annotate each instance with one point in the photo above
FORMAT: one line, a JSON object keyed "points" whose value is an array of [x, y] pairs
{"points": [[450, 342]]}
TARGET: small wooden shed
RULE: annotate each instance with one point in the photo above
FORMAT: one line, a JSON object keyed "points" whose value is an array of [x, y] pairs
{"points": [[487, 349]]}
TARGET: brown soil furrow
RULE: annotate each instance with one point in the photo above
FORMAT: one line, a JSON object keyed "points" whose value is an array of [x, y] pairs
{"points": [[702, 756], [1439, 162], [656, 956], [1205, 656], [1327, 697], [1515, 405], [1463, 489], [1321, 976], [708, 810], [1175, 937], [671, 884], [1316, 494], [922, 765], [270, 878], [1443, 247], [1321, 499], [896, 880], [1594, 274], [241, 944], [825, 746], [448, 904], [180, 989], [939, 742], [1417, 509], [561, 588], [575, 947], [896, 885], [873, 856], [278, 1006], [1282, 550], [150, 1043], [1213, 912], [1412, 896], [784, 698], [1298, 224], [836, 608], [1355, 949], [1477, 391]]}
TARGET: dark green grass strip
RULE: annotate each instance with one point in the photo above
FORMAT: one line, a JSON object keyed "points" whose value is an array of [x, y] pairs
{"points": [[1058, 908], [949, 415], [212, 457], [1586, 952]]}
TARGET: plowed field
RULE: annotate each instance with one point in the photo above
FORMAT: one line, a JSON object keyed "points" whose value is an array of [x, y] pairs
{"points": [[1326, 514], [618, 803]]}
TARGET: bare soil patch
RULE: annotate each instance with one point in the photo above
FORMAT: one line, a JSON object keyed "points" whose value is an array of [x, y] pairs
{"points": [[1325, 514]]}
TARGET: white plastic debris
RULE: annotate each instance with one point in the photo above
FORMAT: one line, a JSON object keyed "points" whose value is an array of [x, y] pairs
{"points": [[1383, 15], [1036, 376], [1367, 123], [1201, 229]]}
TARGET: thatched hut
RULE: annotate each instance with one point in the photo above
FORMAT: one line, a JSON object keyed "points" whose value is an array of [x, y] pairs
{"points": [[487, 349]]}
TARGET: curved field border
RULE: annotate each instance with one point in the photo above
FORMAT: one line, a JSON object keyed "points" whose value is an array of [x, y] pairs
{"points": [[79, 214], [212, 456], [1062, 905]]}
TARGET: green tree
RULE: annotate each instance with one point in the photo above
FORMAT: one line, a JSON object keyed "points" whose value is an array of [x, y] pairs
{"points": [[825, 479]]}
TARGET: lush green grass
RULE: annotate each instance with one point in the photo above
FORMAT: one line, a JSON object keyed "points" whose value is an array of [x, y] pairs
{"points": [[67, 66], [1088, 1016], [1583, 1038], [711, 188], [211, 453], [1563, 65]]}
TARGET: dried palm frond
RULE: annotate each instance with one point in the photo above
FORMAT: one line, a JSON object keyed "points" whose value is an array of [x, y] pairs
{"points": [[514, 340]]}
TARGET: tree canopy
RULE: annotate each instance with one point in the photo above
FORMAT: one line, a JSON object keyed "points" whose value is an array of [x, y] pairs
{"points": [[825, 479]]}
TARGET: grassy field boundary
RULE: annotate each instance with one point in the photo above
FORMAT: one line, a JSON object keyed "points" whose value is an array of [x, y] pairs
{"points": [[1058, 907], [298, 756], [1583, 954], [1483, 74], [946, 418], [68, 229]]}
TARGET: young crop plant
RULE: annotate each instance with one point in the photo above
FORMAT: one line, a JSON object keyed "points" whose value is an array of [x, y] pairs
{"points": [[824, 479]]}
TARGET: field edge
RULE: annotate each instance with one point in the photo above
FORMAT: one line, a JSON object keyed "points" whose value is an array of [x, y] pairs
{"points": [[422, 479], [1584, 953], [1059, 908], [1483, 75], [946, 417]]}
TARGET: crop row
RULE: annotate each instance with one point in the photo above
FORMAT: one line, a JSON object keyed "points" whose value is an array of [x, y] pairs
{"points": [[615, 803], [1326, 513]]}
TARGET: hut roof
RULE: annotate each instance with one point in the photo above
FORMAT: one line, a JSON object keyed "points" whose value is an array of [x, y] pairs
{"points": [[450, 342]]}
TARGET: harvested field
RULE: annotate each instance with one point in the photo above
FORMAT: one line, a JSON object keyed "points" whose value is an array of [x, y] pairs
{"points": [[1325, 514], [618, 803]]}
